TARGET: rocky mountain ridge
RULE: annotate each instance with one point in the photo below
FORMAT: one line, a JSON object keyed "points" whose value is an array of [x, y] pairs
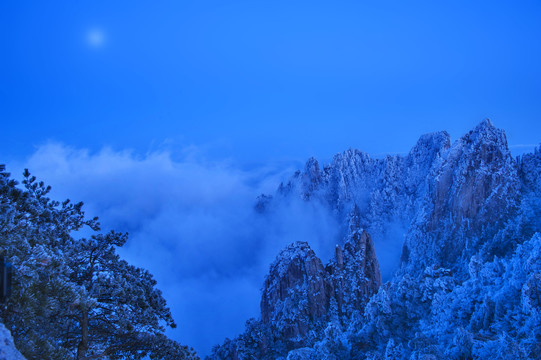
{"points": [[465, 190], [467, 215]]}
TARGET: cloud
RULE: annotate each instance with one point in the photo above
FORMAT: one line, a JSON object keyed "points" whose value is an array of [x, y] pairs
{"points": [[192, 224]]}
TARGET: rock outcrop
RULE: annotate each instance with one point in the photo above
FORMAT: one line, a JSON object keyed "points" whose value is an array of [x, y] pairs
{"points": [[472, 192], [380, 188], [295, 293], [354, 273], [301, 296]]}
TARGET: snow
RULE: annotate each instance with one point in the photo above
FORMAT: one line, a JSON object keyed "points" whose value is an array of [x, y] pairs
{"points": [[7, 348]]}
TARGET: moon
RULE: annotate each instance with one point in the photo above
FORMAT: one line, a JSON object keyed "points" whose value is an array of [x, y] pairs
{"points": [[95, 38]]}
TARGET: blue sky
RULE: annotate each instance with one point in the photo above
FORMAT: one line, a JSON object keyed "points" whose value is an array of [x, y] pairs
{"points": [[260, 81], [168, 118]]}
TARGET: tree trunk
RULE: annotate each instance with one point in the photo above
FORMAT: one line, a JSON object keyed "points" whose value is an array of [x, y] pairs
{"points": [[83, 345]]}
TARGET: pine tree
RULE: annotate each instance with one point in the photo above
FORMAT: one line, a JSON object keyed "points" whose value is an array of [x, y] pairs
{"points": [[75, 298]]}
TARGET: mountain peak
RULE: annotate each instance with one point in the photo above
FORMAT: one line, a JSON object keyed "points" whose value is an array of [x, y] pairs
{"points": [[294, 293], [431, 143], [472, 192], [485, 131], [311, 166], [299, 293], [486, 123], [297, 249]]}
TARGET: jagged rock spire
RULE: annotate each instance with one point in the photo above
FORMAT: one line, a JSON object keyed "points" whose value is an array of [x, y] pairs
{"points": [[359, 277], [311, 177], [299, 292], [471, 194], [311, 168], [295, 293]]}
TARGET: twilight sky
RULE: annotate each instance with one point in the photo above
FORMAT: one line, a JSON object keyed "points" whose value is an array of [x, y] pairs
{"points": [[168, 118]]}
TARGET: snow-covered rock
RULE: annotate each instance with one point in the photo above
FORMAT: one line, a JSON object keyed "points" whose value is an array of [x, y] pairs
{"points": [[354, 273], [472, 192], [8, 351], [295, 293], [302, 301]]}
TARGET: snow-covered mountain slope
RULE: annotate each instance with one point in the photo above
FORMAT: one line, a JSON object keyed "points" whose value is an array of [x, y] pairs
{"points": [[455, 222], [439, 203]]}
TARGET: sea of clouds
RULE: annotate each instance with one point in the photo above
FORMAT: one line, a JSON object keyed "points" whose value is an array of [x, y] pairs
{"points": [[192, 223]]}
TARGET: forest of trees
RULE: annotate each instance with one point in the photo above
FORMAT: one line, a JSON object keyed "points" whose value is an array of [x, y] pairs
{"points": [[72, 296]]}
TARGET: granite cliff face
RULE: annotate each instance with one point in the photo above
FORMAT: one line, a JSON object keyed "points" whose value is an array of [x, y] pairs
{"points": [[295, 293], [472, 191], [464, 218], [301, 296], [302, 299]]}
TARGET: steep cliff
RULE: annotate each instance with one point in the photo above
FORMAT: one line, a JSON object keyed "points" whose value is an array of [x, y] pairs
{"points": [[302, 300], [295, 294], [473, 190]]}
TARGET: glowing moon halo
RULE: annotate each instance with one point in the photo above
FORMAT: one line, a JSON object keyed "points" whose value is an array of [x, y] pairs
{"points": [[95, 37]]}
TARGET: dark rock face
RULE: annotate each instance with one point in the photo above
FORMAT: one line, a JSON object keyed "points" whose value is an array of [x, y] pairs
{"points": [[472, 191], [476, 178], [530, 172], [299, 293], [312, 177], [296, 291]]}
